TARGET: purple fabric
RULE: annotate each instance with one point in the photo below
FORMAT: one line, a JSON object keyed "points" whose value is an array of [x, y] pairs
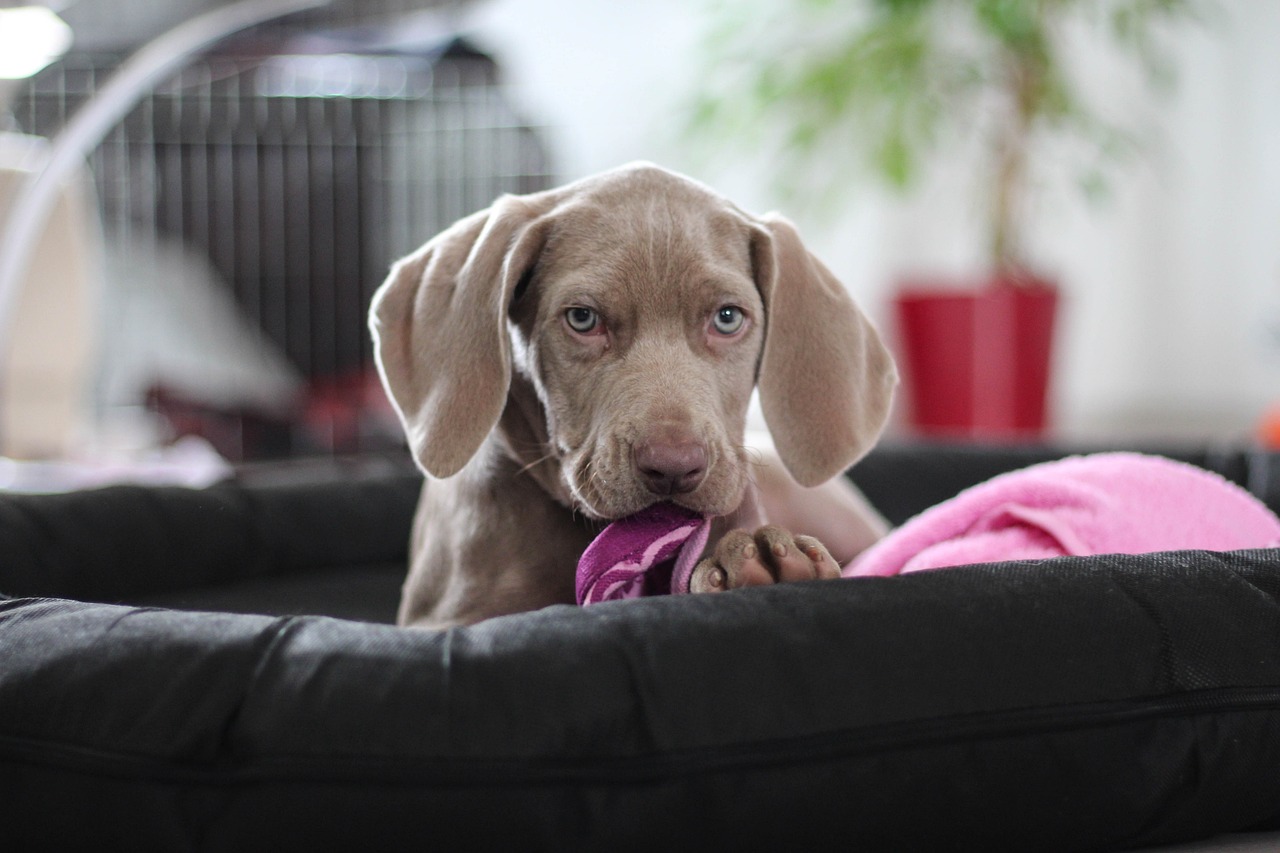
{"points": [[650, 553]]}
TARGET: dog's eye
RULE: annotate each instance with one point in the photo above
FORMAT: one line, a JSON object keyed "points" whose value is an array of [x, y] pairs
{"points": [[582, 320], [728, 320]]}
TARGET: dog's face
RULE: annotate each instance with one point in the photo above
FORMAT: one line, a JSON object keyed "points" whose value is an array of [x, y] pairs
{"points": [[642, 309], [641, 327]]}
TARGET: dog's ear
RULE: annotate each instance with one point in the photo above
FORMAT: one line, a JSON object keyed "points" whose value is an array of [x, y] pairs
{"points": [[439, 325], [826, 380]]}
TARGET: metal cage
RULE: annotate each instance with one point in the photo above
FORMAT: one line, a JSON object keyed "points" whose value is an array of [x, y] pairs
{"points": [[297, 177]]}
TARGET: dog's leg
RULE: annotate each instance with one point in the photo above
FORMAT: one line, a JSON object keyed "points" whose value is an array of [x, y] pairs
{"points": [[768, 555], [835, 513], [488, 542], [785, 532]]}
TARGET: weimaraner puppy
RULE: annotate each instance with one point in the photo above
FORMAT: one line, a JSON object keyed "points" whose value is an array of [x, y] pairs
{"points": [[573, 356]]}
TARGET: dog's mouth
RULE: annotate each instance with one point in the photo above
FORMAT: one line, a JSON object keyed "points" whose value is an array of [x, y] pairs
{"points": [[620, 511], [707, 508], [602, 496]]}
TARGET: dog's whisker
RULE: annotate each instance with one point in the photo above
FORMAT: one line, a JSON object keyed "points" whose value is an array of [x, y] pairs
{"points": [[536, 462], [586, 477], [753, 459]]}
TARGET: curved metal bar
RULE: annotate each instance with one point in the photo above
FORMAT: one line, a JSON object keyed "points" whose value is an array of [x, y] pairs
{"points": [[149, 66]]}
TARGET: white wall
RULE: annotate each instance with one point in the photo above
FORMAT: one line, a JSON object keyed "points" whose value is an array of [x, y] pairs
{"points": [[1172, 319]]}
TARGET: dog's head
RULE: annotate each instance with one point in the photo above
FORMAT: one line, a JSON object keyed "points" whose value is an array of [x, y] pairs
{"points": [[642, 309]]}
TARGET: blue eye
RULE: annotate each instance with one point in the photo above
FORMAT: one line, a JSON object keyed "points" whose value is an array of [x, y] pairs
{"points": [[581, 320], [728, 320]]}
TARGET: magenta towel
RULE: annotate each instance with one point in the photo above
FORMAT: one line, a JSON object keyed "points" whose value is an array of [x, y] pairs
{"points": [[1104, 503], [650, 553]]}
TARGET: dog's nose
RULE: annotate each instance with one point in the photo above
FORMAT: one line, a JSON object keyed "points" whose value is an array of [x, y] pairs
{"points": [[671, 468]]}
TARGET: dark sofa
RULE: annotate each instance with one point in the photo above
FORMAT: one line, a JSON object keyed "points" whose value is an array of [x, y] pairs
{"points": [[204, 669]]}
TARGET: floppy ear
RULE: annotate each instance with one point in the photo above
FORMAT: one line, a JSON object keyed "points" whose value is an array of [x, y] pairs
{"points": [[440, 333], [826, 380]]}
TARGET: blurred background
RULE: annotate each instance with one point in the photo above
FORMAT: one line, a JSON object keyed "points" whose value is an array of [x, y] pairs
{"points": [[1063, 214]]}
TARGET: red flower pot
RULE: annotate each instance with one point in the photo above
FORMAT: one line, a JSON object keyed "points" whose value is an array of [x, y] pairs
{"points": [[976, 361]]}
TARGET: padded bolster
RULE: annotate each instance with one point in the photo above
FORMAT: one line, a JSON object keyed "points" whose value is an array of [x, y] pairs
{"points": [[1094, 703], [902, 478], [121, 542]]}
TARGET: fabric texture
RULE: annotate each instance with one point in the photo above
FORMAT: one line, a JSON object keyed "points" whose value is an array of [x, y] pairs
{"points": [[1093, 703], [1096, 703], [1105, 503], [650, 553]]}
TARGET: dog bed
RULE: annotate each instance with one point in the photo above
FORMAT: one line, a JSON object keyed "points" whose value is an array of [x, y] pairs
{"points": [[1078, 703]]}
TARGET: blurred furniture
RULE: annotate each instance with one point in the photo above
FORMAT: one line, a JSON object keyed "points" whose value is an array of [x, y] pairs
{"points": [[47, 362], [287, 167]]}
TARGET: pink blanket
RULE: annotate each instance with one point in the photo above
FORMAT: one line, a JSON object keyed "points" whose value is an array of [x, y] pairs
{"points": [[1099, 504]]}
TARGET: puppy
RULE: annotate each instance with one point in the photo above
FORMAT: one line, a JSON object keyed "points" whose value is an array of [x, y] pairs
{"points": [[573, 356]]}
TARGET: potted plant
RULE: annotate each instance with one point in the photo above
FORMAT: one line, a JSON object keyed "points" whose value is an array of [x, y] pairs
{"points": [[894, 82]]}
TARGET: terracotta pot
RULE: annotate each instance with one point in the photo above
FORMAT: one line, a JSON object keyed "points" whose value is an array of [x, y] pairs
{"points": [[976, 360]]}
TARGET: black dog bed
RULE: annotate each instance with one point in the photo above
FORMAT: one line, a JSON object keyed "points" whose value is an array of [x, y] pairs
{"points": [[1074, 704]]}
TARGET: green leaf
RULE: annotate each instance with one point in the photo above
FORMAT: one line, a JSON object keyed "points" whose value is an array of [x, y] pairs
{"points": [[878, 86], [896, 161]]}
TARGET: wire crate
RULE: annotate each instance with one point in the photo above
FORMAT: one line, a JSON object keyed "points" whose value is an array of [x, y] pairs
{"points": [[289, 181]]}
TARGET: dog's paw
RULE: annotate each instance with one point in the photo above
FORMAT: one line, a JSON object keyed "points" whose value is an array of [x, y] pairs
{"points": [[770, 555]]}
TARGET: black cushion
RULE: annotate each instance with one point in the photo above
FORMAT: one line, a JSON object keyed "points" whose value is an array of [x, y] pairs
{"points": [[1075, 704], [1080, 704], [334, 546]]}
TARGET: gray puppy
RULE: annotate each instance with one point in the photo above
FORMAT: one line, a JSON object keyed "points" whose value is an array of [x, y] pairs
{"points": [[573, 356]]}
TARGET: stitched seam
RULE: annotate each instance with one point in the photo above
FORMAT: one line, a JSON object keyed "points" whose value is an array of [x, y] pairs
{"points": [[627, 769]]}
